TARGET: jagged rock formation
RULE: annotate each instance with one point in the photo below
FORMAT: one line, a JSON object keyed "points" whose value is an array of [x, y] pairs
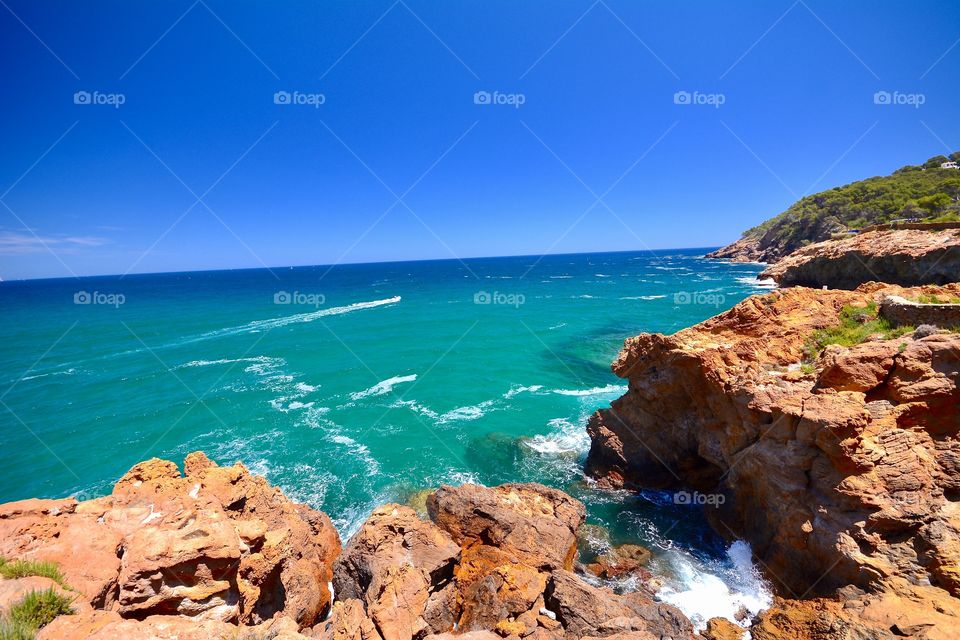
{"points": [[398, 569], [219, 553], [492, 563], [211, 547], [905, 257], [846, 476]]}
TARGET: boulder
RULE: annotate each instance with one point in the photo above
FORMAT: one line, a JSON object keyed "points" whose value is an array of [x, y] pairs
{"points": [[349, 621], [502, 595], [490, 565], [108, 625], [182, 563], [584, 610], [398, 566], [722, 629], [621, 561], [860, 369], [535, 524], [471, 635], [216, 544], [903, 610]]}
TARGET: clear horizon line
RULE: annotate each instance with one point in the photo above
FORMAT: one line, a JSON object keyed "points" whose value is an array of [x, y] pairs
{"points": [[339, 264]]}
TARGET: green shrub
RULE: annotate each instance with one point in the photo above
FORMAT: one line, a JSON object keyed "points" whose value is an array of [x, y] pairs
{"points": [[39, 608], [856, 325], [932, 195], [950, 216], [12, 569]]}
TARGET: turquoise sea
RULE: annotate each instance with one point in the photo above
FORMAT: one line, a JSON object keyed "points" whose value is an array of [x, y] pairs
{"points": [[355, 385]]}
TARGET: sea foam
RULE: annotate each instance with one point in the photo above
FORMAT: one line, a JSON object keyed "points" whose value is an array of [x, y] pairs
{"points": [[753, 281], [595, 391], [383, 387], [516, 390], [566, 437], [703, 592], [463, 414], [298, 318]]}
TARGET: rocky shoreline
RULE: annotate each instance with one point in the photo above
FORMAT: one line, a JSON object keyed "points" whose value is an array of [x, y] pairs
{"points": [[841, 471], [216, 552], [839, 465]]}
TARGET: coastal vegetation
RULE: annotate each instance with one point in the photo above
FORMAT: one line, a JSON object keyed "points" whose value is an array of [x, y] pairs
{"points": [[32, 612], [11, 570], [37, 608], [935, 299], [857, 324], [929, 192]]}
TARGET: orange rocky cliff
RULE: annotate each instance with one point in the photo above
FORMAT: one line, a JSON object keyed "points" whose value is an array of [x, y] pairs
{"points": [[218, 553], [844, 475], [213, 546], [903, 256]]}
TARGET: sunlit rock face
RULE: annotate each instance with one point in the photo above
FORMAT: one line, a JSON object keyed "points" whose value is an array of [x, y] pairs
{"points": [[842, 473]]}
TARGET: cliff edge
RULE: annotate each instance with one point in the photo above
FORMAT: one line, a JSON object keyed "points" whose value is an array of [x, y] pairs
{"points": [[217, 553], [843, 472], [907, 257]]}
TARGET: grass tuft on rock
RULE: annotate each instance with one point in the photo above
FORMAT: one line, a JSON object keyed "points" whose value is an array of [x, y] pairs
{"points": [[39, 608], [33, 612], [857, 324], [13, 569]]}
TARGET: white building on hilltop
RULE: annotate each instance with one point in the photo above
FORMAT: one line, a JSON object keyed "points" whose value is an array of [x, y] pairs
{"points": [[949, 165]]}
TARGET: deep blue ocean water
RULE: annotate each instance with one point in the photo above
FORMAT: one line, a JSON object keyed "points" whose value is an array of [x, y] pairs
{"points": [[356, 385]]}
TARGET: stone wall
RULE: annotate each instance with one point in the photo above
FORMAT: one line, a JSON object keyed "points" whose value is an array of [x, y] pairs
{"points": [[901, 311]]}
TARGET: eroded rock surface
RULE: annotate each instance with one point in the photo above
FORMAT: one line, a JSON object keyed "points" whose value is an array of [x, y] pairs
{"points": [[398, 566], [216, 544], [906, 257], [535, 523], [108, 625], [846, 475], [492, 564]]}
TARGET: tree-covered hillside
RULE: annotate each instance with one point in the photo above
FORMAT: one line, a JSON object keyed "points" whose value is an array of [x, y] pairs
{"points": [[919, 192]]}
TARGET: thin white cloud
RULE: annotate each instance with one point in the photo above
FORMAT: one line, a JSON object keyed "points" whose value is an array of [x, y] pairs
{"points": [[18, 243]]}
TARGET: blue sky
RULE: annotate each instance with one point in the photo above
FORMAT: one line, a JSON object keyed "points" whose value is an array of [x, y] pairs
{"points": [[200, 168]]}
